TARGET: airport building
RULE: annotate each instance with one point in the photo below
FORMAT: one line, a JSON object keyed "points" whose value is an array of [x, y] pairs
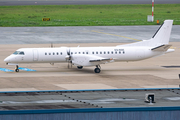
{"points": [[107, 104]]}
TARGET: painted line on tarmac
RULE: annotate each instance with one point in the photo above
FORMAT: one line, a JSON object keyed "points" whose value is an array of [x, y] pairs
{"points": [[115, 35], [6, 70], [26, 69]]}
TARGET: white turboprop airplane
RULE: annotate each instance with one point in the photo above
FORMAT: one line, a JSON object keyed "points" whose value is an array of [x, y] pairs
{"points": [[94, 56]]}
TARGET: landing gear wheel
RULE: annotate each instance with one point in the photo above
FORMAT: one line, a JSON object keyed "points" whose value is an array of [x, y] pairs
{"points": [[97, 70], [79, 67], [17, 70]]}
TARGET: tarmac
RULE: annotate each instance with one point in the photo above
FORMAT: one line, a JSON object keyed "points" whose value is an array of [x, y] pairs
{"points": [[121, 98], [81, 34], [119, 85], [158, 72]]}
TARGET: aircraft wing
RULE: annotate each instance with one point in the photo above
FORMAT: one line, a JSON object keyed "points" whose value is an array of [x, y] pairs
{"points": [[101, 60], [161, 48], [89, 60]]}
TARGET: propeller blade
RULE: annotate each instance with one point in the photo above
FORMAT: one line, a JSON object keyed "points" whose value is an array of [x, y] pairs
{"points": [[68, 65], [68, 58]]}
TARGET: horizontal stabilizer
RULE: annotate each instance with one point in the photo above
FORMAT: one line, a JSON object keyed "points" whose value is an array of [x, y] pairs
{"points": [[100, 60], [161, 48]]}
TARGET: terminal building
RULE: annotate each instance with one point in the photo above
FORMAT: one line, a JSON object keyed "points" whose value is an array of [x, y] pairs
{"points": [[107, 104]]}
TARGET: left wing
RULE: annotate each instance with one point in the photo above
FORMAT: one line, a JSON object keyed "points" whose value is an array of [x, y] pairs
{"points": [[89, 60], [102, 60]]}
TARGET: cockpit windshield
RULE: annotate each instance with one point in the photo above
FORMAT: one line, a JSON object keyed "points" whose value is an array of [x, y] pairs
{"points": [[18, 53]]}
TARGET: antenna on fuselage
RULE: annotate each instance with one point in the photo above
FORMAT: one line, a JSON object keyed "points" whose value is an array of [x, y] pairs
{"points": [[52, 45]]}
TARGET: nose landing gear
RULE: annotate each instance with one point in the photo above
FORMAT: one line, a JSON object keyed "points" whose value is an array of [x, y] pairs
{"points": [[17, 68]]}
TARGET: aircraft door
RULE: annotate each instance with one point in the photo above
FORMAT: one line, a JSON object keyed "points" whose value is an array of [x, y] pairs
{"points": [[35, 55]]}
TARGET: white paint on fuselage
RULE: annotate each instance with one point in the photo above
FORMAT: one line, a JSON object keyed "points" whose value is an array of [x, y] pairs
{"points": [[57, 55]]}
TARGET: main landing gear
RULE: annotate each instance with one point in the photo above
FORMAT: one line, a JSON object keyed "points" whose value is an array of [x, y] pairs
{"points": [[79, 67], [17, 68], [97, 69]]}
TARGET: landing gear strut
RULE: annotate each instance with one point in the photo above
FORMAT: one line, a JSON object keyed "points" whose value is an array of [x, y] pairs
{"points": [[17, 68], [97, 69]]}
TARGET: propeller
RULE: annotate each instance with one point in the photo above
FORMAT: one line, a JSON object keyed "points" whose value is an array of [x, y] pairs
{"points": [[68, 58]]}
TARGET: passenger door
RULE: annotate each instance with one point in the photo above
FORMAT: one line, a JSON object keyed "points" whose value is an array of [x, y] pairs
{"points": [[35, 55]]}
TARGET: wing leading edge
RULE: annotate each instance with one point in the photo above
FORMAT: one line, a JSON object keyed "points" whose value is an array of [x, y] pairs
{"points": [[102, 60]]}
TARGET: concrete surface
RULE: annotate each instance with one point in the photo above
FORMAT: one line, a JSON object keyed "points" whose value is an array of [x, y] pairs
{"points": [[81, 34], [88, 99], [142, 74]]}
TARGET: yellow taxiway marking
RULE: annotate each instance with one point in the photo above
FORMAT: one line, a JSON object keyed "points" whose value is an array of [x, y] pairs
{"points": [[115, 35]]}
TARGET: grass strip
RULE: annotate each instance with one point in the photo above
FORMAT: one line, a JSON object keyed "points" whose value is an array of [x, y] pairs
{"points": [[86, 15]]}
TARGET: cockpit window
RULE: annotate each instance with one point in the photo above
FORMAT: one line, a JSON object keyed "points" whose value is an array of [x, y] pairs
{"points": [[21, 53], [18, 53], [15, 53]]}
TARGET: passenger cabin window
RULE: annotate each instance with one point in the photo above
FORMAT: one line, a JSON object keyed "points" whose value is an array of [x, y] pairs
{"points": [[92, 52], [61, 53], [49, 53], [45, 53], [83, 52], [71, 53], [57, 53], [104, 52], [53, 53]]}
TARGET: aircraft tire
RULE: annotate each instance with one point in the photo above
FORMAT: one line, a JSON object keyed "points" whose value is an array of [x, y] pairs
{"points": [[79, 67], [17, 70], [97, 70]]}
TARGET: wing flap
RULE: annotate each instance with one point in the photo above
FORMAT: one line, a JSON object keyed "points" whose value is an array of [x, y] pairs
{"points": [[101, 60], [161, 48]]}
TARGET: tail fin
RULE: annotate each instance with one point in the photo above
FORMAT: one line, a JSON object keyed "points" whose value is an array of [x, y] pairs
{"points": [[162, 35]]}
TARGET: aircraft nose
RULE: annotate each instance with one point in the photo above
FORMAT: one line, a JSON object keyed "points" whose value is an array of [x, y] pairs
{"points": [[7, 60]]}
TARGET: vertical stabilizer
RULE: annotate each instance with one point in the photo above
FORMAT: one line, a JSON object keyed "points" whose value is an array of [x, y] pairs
{"points": [[162, 35]]}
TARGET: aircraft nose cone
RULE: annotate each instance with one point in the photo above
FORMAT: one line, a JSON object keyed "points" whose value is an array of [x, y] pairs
{"points": [[6, 60]]}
